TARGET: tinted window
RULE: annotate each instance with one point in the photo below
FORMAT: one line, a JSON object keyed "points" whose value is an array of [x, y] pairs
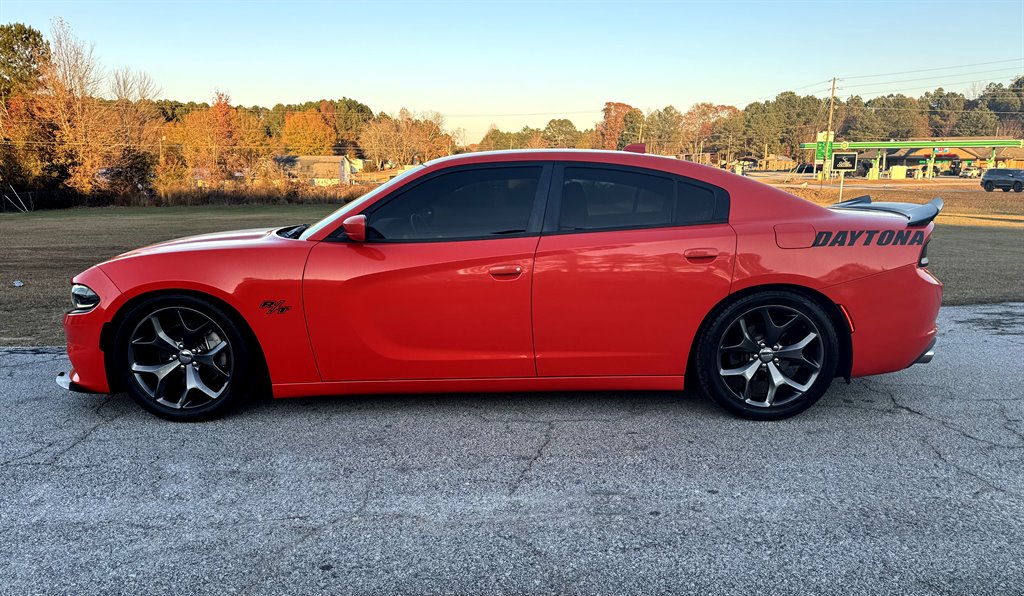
{"points": [[696, 204], [465, 204], [596, 199]]}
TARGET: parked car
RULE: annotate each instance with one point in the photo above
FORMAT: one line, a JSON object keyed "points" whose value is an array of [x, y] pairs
{"points": [[805, 168], [521, 271], [970, 172], [1005, 179]]}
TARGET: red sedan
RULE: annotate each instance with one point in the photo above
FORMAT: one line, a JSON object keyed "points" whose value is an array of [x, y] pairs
{"points": [[521, 271]]}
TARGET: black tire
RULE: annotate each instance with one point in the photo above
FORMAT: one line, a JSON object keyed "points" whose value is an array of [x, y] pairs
{"points": [[988, 186], [1018, 187], [723, 344], [204, 385]]}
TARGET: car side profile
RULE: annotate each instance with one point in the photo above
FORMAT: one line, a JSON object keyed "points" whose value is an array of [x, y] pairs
{"points": [[543, 270], [1005, 179]]}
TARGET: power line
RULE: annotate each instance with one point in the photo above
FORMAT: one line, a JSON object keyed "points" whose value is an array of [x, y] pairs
{"points": [[889, 91], [934, 69], [932, 78]]}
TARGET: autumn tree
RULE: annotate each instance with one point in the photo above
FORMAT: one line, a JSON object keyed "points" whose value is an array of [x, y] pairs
{"points": [[698, 126], [611, 126], [28, 155], [219, 143], [405, 138], [589, 139], [71, 81], [135, 124], [535, 141], [380, 140], [308, 133]]}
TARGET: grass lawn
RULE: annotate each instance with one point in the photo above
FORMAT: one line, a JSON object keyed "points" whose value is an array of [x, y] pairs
{"points": [[978, 263]]}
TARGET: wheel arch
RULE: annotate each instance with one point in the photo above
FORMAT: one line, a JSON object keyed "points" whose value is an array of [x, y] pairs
{"points": [[834, 312], [109, 330]]}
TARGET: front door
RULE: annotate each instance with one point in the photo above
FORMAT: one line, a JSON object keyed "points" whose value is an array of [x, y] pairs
{"points": [[441, 287]]}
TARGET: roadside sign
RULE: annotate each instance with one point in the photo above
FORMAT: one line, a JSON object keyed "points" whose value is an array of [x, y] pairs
{"points": [[844, 162]]}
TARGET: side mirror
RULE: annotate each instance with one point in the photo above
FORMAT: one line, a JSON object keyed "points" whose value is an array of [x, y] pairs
{"points": [[355, 228]]}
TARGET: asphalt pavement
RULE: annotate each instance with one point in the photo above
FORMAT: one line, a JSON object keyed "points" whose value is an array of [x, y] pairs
{"points": [[911, 483]]}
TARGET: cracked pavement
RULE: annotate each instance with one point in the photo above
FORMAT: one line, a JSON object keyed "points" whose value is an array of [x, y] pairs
{"points": [[911, 482]]}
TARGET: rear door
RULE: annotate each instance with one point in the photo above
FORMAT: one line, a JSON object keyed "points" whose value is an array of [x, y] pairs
{"points": [[630, 262], [441, 287]]}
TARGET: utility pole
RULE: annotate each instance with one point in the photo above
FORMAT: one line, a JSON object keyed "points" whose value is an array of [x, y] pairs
{"points": [[827, 169]]}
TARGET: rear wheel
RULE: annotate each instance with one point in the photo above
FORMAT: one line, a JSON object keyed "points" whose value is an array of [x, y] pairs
{"points": [[182, 358], [768, 356], [988, 186]]}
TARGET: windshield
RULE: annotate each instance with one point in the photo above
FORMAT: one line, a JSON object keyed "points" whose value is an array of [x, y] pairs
{"points": [[356, 204]]}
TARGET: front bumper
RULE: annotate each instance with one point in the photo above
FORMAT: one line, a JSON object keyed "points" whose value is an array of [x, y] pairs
{"points": [[84, 331]]}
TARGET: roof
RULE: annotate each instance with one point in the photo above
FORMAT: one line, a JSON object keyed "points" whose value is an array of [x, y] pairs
{"points": [[597, 155]]}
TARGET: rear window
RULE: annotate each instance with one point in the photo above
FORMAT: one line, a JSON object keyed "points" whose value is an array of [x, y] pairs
{"points": [[605, 199]]}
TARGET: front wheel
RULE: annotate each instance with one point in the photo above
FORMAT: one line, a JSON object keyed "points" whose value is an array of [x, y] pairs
{"points": [[1018, 187], [768, 356], [182, 358]]}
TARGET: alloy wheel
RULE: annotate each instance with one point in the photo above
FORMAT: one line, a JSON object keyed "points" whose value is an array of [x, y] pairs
{"points": [[770, 356], [181, 358]]}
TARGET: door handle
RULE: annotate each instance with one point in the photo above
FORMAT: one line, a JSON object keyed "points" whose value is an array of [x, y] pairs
{"points": [[506, 270], [700, 255]]}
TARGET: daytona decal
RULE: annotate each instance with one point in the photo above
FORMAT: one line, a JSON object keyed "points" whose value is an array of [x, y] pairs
{"points": [[869, 237]]}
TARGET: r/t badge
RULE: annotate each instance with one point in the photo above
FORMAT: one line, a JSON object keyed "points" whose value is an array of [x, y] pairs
{"points": [[275, 307]]}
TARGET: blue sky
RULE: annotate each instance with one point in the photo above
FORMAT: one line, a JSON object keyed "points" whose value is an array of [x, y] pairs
{"points": [[525, 62]]}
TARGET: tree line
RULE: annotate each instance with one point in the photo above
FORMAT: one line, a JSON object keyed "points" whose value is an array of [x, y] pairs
{"points": [[779, 125], [74, 130]]}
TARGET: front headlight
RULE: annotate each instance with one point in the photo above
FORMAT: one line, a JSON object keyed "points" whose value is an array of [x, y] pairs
{"points": [[83, 298]]}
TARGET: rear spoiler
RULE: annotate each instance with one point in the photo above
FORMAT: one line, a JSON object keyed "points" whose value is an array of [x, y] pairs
{"points": [[917, 215]]}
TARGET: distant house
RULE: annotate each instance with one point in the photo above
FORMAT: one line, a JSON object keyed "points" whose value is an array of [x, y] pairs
{"points": [[317, 170], [776, 162]]}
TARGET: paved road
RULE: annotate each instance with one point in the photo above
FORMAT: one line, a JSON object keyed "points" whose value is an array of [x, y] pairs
{"points": [[906, 483]]}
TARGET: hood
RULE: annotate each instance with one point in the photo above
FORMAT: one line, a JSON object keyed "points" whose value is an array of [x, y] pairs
{"points": [[214, 241]]}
